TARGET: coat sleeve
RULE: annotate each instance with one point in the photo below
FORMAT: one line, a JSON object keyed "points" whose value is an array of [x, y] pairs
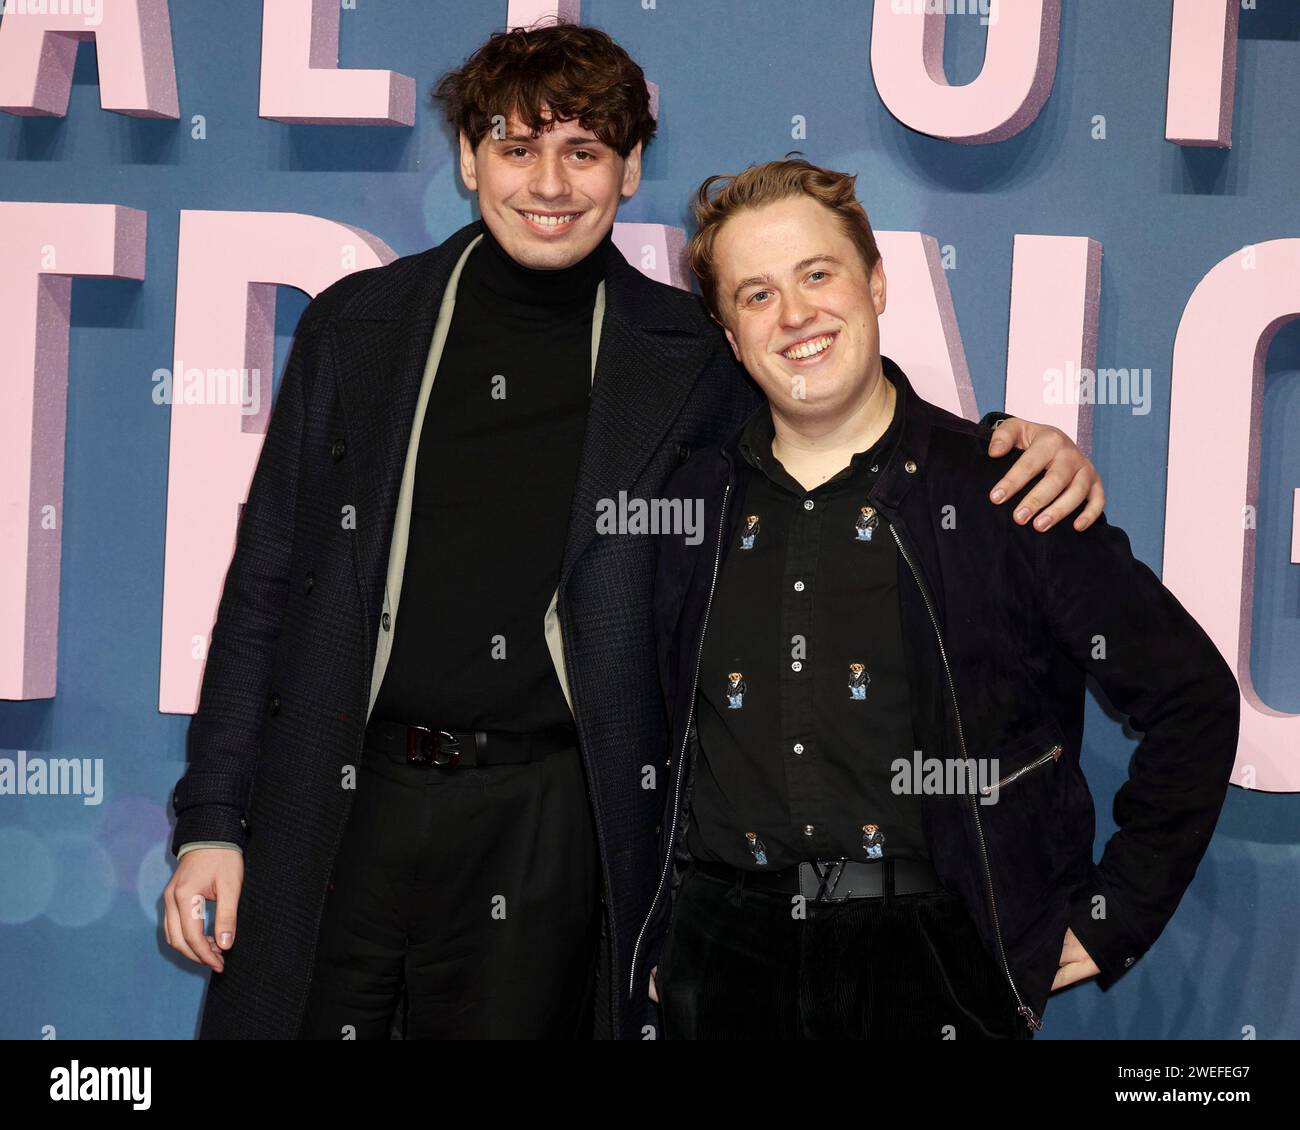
{"points": [[1112, 616], [211, 798]]}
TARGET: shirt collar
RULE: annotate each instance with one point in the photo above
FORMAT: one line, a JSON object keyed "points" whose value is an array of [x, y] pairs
{"points": [[755, 444]]}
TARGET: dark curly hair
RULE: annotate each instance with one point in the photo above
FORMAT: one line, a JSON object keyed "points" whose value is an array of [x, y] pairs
{"points": [[576, 72]]}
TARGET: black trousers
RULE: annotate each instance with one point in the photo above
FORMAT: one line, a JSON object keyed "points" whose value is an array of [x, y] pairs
{"points": [[737, 963], [476, 888]]}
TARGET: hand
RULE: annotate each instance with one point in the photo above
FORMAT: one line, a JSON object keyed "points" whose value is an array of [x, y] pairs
{"points": [[1069, 479], [1075, 965], [654, 989], [204, 873]]}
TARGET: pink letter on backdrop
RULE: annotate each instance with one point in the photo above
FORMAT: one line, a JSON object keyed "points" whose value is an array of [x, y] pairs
{"points": [[656, 251], [43, 247], [1055, 289], [228, 266], [919, 317], [525, 13], [1211, 504], [301, 79], [1202, 72], [1019, 69], [137, 74]]}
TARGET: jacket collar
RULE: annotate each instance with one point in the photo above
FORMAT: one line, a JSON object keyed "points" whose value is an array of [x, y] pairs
{"points": [[653, 345]]}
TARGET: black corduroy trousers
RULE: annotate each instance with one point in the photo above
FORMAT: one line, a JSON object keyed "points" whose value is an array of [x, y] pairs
{"points": [[743, 963]]}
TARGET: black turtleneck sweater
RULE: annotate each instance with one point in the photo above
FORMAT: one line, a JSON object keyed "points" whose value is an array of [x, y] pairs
{"points": [[494, 479]]}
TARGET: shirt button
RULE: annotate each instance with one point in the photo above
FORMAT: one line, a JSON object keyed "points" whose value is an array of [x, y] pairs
{"points": [[386, 620], [338, 450], [808, 829], [808, 503], [910, 467], [798, 747], [796, 666], [798, 586]]}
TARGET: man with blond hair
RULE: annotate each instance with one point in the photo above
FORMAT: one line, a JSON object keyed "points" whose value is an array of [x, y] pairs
{"points": [[927, 867]]}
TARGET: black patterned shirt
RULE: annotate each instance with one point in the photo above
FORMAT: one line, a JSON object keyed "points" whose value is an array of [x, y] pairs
{"points": [[802, 707]]}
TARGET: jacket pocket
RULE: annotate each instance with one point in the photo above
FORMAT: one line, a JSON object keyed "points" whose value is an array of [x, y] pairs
{"points": [[1023, 807], [1050, 756]]}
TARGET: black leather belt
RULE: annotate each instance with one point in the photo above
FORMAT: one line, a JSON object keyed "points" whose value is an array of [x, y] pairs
{"points": [[451, 749], [833, 880]]}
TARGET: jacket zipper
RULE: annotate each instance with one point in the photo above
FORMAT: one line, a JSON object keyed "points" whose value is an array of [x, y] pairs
{"points": [[1024, 1010], [681, 760], [1052, 754]]}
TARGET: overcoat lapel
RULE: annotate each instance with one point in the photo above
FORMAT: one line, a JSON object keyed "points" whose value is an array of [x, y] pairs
{"points": [[384, 331], [651, 353]]}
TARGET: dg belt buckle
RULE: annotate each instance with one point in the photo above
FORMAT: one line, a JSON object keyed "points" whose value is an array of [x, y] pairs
{"points": [[819, 878], [431, 747]]}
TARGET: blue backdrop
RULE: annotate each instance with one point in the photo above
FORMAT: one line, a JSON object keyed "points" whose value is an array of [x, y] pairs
{"points": [[81, 943]]}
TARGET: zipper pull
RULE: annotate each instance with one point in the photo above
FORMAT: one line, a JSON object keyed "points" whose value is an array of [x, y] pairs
{"points": [[1030, 1019]]}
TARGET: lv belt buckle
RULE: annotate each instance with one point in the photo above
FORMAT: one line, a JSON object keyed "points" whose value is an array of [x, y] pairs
{"points": [[820, 879], [425, 746]]}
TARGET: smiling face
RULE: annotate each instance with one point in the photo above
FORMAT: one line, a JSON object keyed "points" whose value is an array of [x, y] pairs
{"points": [[799, 309], [548, 200]]}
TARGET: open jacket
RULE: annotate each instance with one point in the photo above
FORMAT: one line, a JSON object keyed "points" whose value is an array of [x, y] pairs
{"points": [[1001, 625], [305, 622]]}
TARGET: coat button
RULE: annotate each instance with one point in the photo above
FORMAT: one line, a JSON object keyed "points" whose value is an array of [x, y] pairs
{"points": [[339, 449], [309, 582], [275, 704], [910, 467], [1129, 961], [243, 823], [386, 620], [683, 452]]}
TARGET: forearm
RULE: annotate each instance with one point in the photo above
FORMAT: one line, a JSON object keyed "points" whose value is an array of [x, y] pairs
{"points": [[1111, 615]]}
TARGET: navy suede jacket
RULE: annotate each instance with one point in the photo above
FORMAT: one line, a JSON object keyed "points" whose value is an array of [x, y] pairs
{"points": [[1001, 626]]}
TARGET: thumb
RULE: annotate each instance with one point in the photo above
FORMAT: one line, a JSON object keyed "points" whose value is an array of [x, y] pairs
{"points": [[1001, 441]]}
